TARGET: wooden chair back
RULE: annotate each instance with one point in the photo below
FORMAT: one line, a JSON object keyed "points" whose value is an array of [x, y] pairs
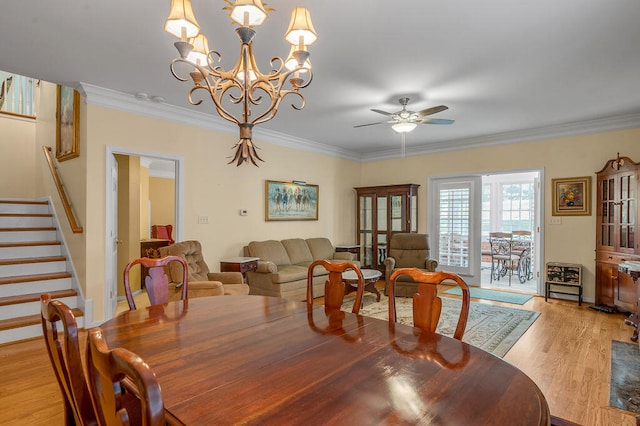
{"points": [[108, 369], [334, 287], [157, 282], [64, 353], [427, 305]]}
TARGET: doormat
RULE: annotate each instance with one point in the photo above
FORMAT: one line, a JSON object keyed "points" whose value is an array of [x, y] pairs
{"points": [[624, 388], [492, 328], [495, 295]]}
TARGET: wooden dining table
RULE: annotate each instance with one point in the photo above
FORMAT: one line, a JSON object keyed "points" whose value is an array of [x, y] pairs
{"points": [[265, 360]]}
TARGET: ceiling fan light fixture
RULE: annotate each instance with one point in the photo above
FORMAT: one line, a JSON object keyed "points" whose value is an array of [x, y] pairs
{"points": [[403, 126]]}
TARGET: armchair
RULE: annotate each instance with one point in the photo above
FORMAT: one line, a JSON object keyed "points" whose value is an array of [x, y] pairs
{"points": [[201, 281], [407, 250]]}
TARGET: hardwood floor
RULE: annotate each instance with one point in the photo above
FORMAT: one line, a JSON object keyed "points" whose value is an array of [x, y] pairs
{"points": [[567, 352]]}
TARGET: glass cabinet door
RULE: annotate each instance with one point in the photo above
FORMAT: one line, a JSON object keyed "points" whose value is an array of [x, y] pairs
{"points": [[627, 205], [366, 229]]}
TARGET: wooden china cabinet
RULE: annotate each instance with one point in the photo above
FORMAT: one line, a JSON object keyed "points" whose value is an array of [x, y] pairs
{"points": [[383, 211], [616, 221]]}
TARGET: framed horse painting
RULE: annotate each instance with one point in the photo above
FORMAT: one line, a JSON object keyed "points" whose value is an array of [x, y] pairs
{"points": [[290, 201]]}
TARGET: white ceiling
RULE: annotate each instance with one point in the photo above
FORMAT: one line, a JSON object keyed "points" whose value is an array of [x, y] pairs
{"points": [[507, 70]]}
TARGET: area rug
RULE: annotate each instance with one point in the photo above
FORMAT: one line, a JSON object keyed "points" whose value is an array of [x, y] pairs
{"points": [[624, 390], [495, 295], [492, 328]]}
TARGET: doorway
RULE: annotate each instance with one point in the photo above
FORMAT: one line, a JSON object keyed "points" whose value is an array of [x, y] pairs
{"points": [[463, 210], [128, 205]]}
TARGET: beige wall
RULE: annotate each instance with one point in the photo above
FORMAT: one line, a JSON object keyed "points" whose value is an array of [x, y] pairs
{"points": [[162, 195], [128, 219], [214, 189], [574, 240], [17, 162]]}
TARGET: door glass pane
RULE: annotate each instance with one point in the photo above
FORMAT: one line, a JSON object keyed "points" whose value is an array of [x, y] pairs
{"points": [[454, 227], [605, 236], [397, 213], [632, 236], [366, 229], [624, 187], [611, 192], [382, 213], [623, 236]]}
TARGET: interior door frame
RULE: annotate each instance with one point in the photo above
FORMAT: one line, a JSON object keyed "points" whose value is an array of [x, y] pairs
{"points": [[539, 215], [111, 291]]}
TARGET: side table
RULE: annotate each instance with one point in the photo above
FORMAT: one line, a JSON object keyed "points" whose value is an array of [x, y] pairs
{"points": [[350, 248], [371, 277], [239, 264]]}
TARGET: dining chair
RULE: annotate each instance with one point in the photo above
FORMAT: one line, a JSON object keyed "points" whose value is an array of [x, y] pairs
{"points": [[334, 287], [162, 232], [108, 369], [427, 305], [157, 281], [503, 259], [64, 353], [522, 245]]}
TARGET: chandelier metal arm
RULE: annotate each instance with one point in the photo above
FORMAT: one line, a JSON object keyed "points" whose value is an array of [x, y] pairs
{"points": [[243, 85]]}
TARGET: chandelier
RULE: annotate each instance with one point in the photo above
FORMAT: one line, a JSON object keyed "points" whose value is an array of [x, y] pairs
{"points": [[243, 85]]}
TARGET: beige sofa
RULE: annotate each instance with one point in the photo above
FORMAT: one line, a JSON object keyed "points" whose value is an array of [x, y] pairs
{"points": [[282, 268]]}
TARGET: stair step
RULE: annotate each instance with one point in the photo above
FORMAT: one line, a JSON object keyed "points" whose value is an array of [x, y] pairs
{"points": [[30, 249], [38, 286], [25, 220], [18, 235], [27, 260], [34, 297], [34, 267], [7, 206], [34, 277], [30, 244], [30, 320]]}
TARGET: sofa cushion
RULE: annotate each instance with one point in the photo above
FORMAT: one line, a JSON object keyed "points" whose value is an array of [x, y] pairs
{"points": [[270, 250], [298, 251], [289, 273], [321, 248]]}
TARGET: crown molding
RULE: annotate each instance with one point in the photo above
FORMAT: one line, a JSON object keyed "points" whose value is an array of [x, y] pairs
{"points": [[100, 96], [127, 102], [598, 125]]}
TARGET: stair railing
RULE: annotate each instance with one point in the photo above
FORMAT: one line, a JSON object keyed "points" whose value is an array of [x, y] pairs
{"points": [[77, 229]]}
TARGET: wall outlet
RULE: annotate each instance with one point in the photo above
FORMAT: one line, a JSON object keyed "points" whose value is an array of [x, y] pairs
{"points": [[555, 220], [243, 212], [203, 220]]}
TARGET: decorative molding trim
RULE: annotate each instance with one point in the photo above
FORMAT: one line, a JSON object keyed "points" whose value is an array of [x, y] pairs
{"points": [[127, 102], [598, 125]]}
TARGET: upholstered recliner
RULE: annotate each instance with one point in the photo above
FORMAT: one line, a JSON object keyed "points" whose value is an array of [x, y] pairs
{"points": [[201, 281], [407, 250]]}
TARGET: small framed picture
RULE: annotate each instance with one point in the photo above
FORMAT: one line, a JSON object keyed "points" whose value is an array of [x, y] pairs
{"points": [[67, 123], [290, 201], [571, 196]]}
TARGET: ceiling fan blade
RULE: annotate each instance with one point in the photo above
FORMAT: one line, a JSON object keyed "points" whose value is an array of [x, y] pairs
{"points": [[379, 111], [436, 121], [370, 124], [431, 110]]}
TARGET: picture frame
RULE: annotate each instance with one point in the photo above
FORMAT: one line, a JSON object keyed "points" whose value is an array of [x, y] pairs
{"points": [[67, 123], [571, 196], [290, 201]]}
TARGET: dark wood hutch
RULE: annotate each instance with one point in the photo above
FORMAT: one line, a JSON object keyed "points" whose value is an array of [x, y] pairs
{"points": [[617, 218], [383, 211]]}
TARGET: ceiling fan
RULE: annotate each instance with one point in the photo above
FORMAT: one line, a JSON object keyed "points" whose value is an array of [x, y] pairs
{"points": [[405, 120]]}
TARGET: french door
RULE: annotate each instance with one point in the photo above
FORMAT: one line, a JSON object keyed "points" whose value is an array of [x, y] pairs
{"points": [[454, 228]]}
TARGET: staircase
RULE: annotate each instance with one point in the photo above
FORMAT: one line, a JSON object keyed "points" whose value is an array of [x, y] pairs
{"points": [[32, 262]]}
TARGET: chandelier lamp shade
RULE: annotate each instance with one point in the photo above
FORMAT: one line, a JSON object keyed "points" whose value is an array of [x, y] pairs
{"points": [[242, 94]]}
